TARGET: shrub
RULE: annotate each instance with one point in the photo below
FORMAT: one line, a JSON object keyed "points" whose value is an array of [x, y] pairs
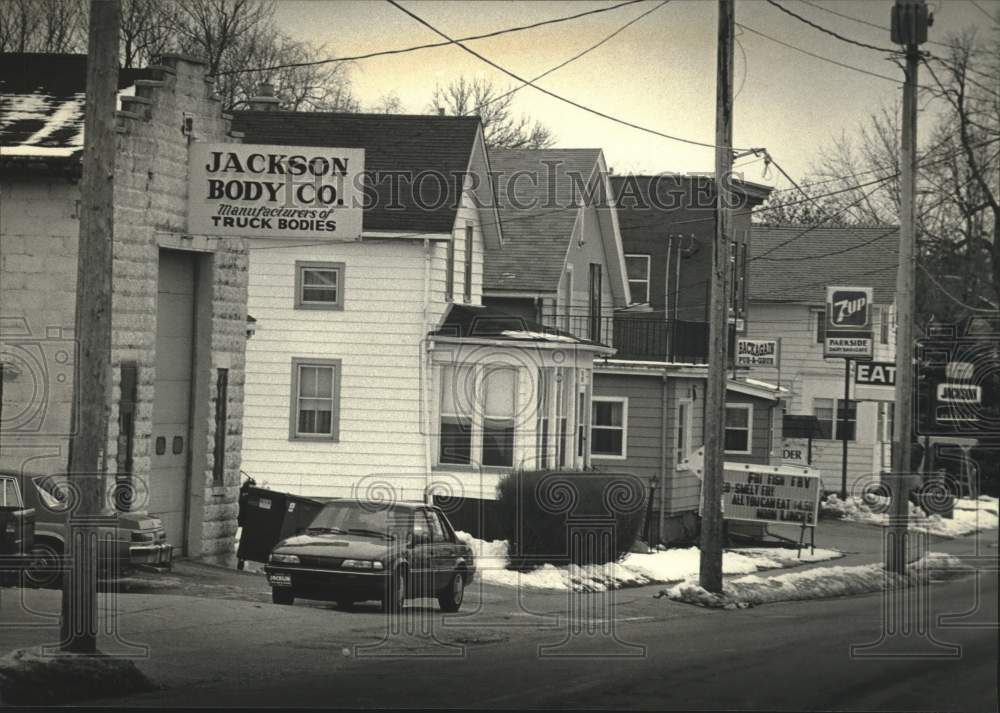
{"points": [[569, 517]]}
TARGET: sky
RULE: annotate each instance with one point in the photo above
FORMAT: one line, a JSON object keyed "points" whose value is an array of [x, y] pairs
{"points": [[659, 72]]}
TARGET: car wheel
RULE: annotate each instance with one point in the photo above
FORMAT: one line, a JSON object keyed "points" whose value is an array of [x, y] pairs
{"points": [[395, 594], [450, 598], [280, 595], [45, 568]]}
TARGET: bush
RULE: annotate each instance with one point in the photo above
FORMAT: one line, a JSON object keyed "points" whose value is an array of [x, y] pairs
{"points": [[569, 517]]}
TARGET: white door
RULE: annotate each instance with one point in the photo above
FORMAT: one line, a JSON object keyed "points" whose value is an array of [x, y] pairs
{"points": [[172, 401]]}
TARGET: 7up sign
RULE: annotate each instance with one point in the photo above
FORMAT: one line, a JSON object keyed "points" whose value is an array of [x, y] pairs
{"points": [[848, 322]]}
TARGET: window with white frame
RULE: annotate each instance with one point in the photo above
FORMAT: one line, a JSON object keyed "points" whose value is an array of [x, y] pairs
{"points": [[315, 406], [682, 431], [828, 413], [739, 428], [637, 268], [542, 401], [820, 316], [319, 285], [609, 427], [458, 391], [499, 396]]}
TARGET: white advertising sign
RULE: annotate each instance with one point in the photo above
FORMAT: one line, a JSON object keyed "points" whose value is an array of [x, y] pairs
{"points": [[756, 352], [875, 381], [847, 346], [848, 307], [959, 393], [279, 192]]}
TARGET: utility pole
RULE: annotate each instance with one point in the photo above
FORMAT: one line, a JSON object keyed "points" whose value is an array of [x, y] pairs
{"points": [[710, 571], [843, 428], [909, 25], [79, 625]]}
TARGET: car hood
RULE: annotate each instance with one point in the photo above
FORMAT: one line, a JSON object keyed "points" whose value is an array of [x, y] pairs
{"points": [[334, 545]]}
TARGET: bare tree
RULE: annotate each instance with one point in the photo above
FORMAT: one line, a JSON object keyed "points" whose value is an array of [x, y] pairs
{"points": [[388, 104], [501, 127], [147, 31], [43, 26]]}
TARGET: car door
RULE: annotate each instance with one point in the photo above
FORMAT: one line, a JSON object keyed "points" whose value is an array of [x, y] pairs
{"points": [[421, 560], [444, 551]]}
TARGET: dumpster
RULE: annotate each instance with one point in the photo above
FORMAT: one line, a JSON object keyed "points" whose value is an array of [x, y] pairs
{"points": [[17, 529], [267, 517]]}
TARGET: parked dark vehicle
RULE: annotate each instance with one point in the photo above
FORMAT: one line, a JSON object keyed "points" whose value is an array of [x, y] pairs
{"points": [[17, 526], [356, 551], [136, 539]]}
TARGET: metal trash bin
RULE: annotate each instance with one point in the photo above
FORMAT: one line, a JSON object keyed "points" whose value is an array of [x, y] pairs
{"points": [[267, 517]]}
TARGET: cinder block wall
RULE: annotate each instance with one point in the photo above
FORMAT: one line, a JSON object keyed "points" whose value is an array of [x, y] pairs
{"points": [[151, 193]]}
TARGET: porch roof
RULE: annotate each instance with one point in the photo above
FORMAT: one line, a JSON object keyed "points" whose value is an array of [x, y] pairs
{"points": [[479, 322]]}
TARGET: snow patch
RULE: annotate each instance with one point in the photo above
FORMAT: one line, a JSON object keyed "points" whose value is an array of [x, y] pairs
{"points": [[818, 583], [970, 515], [634, 569]]}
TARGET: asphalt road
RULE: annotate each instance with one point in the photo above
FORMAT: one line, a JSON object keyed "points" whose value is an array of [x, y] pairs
{"points": [[662, 655]]}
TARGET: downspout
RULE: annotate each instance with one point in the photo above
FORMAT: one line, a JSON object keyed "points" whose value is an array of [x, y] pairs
{"points": [[663, 461], [428, 370]]}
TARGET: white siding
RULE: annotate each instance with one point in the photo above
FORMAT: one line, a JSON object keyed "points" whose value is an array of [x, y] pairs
{"points": [[379, 336], [809, 376]]}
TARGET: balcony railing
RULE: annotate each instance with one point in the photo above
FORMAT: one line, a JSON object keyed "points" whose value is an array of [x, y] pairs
{"points": [[642, 338]]}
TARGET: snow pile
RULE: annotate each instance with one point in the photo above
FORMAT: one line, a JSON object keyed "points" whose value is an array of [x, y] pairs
{"points": [[818, 583], [969, 515], [27, 677], [635, 569]]}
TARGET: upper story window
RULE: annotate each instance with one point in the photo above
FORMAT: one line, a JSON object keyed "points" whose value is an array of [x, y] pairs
{"points": [[609, 427], [829, 414], [637, 267], [319, 285], [315, 408], [820, 317], [449, 279], [739, 428], [468, 262]]}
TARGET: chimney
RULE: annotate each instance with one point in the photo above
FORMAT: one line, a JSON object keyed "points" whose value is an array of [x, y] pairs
{"points": [[440, 111], [265, 99]]}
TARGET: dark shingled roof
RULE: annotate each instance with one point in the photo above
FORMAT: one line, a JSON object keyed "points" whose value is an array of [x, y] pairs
{"points": [[537, 215], [489, 323], [795, 263], [43, 102], [414, 165]]}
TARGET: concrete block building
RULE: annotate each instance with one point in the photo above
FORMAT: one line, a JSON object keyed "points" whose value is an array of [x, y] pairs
{"points": [[179, 300]]}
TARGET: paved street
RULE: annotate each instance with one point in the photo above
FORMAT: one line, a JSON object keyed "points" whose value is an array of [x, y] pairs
{"points": [[215, 639]]}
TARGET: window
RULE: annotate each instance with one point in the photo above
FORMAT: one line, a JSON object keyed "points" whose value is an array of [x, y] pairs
{"points": [[319, 285], [468, 262], [682, 431], [851, 422], [545, 376], [499, 395], [219, 451], [886, 414], [828, 412], [594, 300], [637, 267], [438, 533], [885, 324], [421, 527], [739, 419], [449, 279], [315, 412], [457, 397], [820, 325], [10, 496], [608, 427]]}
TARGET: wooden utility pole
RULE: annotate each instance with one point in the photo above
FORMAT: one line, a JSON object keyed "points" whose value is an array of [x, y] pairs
{"points": [[908, 27], [79, 625], [710, 572]]}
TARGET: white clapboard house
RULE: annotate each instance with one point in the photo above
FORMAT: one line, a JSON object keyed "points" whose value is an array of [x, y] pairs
{"points": [[374, 369], [790, 270]]}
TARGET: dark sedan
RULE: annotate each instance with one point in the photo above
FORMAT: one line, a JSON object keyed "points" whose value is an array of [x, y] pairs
{"points": [[355, 551]]}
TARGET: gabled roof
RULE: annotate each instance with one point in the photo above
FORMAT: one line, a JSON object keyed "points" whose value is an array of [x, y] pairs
{"points": [[667, 191], [537, 199], [795, 263], [415, 165], [42, 102]]}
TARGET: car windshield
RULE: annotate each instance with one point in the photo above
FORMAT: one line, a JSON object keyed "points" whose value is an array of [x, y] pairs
{"points": [[10, 496], [362, 519], [52, 490]]}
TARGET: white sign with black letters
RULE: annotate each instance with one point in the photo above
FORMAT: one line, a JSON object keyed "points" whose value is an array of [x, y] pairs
{"points": [[281, 192]]}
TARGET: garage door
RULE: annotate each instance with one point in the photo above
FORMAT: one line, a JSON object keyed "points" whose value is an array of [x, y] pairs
{"points": [[172, 400]]}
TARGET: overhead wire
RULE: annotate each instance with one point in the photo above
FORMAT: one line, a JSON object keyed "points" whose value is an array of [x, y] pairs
{"points": [[431, 45], [828, 31], [547, 92]]}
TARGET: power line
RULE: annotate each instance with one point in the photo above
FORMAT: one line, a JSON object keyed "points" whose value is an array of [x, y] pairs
{"points": [[821, 57], [982, 10], [566, 100], [859, 20], [819, 27], [578, 55], [403, 50]]}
